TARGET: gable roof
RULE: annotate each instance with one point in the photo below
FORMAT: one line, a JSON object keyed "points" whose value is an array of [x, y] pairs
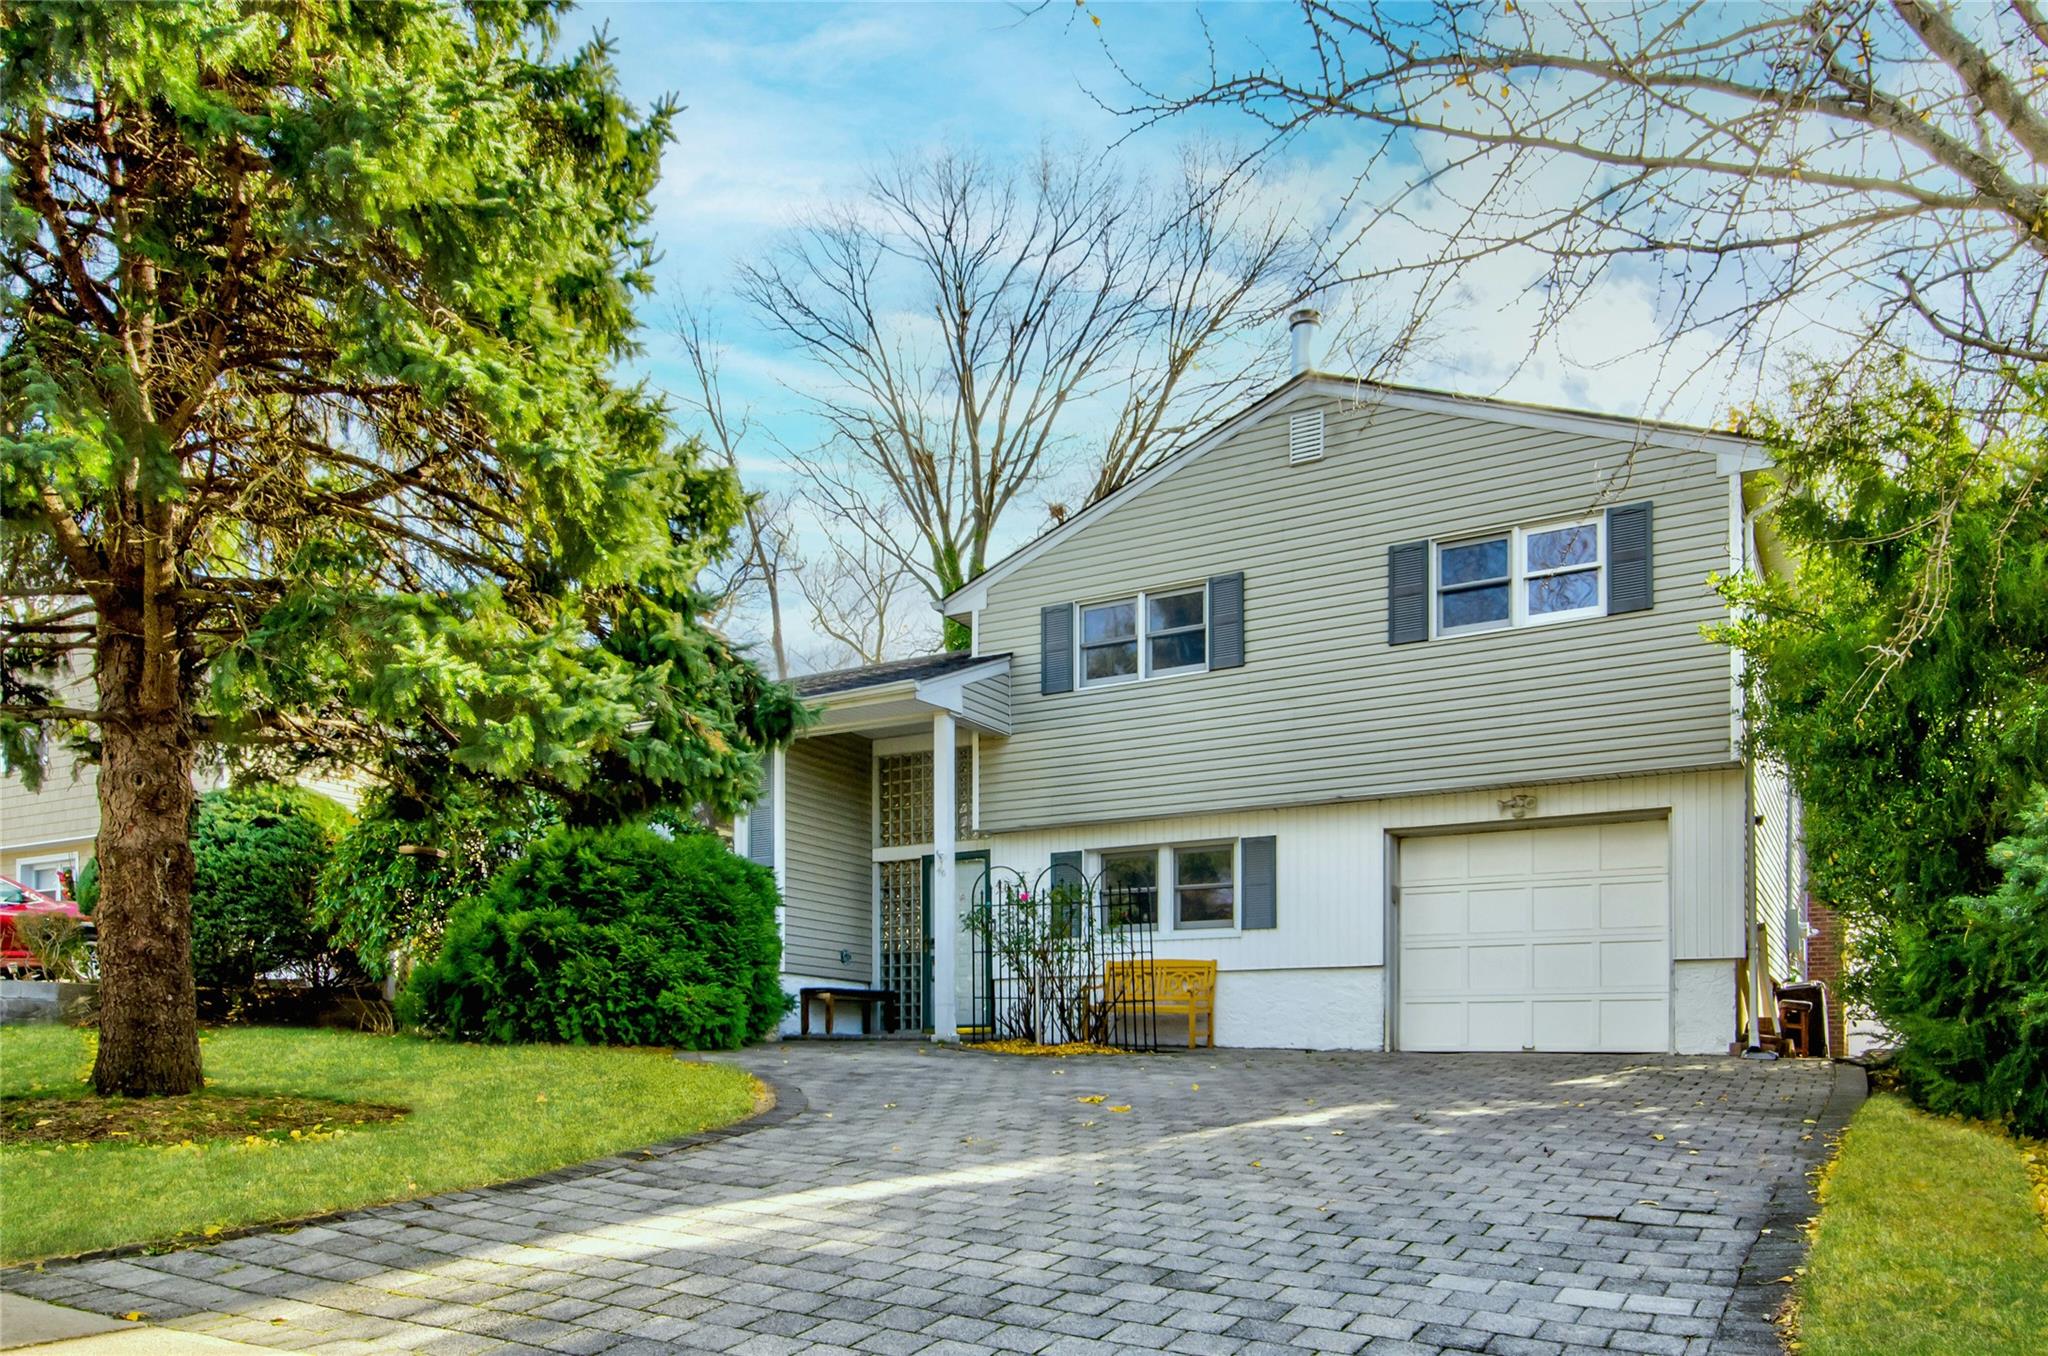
{"points": [[1732, 454], [914, 669]]}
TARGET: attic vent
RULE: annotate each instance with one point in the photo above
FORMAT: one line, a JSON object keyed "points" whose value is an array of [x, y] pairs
{"points": [[1305, 437]]}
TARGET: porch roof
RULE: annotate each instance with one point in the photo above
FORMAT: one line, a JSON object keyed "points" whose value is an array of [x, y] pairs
{"points": [[900, 696]]}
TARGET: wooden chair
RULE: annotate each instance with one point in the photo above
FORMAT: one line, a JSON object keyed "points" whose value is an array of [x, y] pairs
{"points": [[1171, 987]]}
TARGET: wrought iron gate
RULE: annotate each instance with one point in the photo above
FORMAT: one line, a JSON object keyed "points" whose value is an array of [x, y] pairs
{"points": [[1057, 958]]}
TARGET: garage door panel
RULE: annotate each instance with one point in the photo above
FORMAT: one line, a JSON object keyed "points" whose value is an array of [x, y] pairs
{"points": [[1498, 969], [1566, 1024], [1566, 966], [1434, 970], [1572, 907], [1433, 859], [1498, 909], [1633, 965], [1642, 845], [1552, 939], [1633, 904], [1633, 1024], [1497, 1025], [1491, 856], [1434, 1026], [1567, 851]]}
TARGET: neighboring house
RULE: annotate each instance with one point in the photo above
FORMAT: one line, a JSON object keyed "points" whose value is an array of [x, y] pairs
{"points": [[46, 833], [1394, 703]]}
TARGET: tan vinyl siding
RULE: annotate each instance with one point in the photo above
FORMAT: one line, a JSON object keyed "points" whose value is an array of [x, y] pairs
{"points": [[987, 703], [1323, 708], [65, 812], [828, 878]]}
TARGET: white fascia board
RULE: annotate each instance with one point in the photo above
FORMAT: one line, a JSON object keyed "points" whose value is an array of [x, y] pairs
{"points": [[1732, 454], [949, 690]]}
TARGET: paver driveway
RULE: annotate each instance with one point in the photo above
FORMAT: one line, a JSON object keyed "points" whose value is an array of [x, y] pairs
{"points": [[949, 1201]]}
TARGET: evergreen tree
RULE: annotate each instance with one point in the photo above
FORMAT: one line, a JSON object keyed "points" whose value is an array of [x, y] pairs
{"points": [[310, 442], [1901, 674]]}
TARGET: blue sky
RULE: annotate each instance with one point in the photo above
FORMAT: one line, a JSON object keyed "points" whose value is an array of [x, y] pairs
{"points": [[787, 104]]}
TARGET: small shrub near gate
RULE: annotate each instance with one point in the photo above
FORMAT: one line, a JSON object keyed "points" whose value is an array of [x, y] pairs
{"points": [[620, 936]]}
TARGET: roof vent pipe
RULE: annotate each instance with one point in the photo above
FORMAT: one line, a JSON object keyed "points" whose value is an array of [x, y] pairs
{"points": [[1301, 328]]}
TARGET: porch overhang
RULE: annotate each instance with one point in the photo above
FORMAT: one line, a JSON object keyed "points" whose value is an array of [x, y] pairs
{"points": [[901, 696]]}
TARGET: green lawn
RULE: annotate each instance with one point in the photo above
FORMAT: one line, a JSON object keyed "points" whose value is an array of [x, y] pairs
{"points": [[1928, 1244], [478, 1114]]}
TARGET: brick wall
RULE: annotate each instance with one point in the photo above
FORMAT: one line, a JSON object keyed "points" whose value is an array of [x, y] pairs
{"points": [[1824, 963]]}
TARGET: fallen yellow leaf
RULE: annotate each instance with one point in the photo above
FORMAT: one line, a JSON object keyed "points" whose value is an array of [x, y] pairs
{"points": [[133, 1316], [1656, 1136], [1098, 1097], [1119, 1110]]}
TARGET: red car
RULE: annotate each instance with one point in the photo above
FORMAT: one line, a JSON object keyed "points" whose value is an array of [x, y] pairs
{"points": [[18, 901]]}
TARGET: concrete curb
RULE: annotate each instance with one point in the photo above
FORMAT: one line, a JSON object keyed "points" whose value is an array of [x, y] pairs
{"points": [[789, 1104], [1750, 1323]]}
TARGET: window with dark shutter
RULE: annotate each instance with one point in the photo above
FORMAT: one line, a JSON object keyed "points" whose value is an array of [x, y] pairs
{"points": [[1226, 621], [1630, 585], [1056, 649], [1408, 593], [761, 819], [1261, 886]]}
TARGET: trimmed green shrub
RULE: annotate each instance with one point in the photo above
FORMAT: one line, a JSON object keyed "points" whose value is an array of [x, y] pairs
{"points": [[619, 936], [1969, 994], [259, 850], [403, 866]]}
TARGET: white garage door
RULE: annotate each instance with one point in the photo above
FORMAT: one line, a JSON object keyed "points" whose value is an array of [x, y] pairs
{"points": [[1536, 939]]}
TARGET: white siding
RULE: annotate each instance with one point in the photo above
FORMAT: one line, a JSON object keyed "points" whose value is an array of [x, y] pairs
{"points": [[1777, 895], [1333, 862], [1323, 709], [828, 882]]}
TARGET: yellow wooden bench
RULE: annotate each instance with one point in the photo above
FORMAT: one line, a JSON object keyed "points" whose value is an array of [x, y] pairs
{"points": [[1171, 987]]}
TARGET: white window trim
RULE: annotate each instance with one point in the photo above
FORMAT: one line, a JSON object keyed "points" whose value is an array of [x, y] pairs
{"points": [[1146, 673], [24, 867], [1518, 578], [1168, 925]]}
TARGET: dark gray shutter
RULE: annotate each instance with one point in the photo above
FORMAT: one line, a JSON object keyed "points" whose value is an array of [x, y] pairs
{"points": [[1067, 870], [1260, 892], [1226, 621], [1408, 593], [1630, 587], [761, 819], [1056, 649]]}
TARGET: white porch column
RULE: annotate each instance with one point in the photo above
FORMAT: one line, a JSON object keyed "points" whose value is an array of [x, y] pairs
{"points": [[945, 896]]}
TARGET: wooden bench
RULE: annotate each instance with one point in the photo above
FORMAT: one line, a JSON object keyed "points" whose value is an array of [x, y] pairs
{"points": [[831, 994], [1172, 987]]}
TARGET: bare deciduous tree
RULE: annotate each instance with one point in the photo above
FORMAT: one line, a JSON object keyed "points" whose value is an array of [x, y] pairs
{"points": [[969, 320], [1871, 166], [865, 601], [754, 574]]}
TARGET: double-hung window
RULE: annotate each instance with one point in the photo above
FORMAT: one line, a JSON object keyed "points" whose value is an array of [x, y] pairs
{"points": [[1521, 577], [1130, 888], [1186, 887], [1149, 635], [1204, 893]]}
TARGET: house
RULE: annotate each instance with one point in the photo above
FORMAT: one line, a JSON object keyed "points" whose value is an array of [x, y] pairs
{"points": [[1394, 703]]}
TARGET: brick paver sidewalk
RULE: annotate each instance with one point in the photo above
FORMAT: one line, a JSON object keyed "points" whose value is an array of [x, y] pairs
{"points": [[940, 1201]]}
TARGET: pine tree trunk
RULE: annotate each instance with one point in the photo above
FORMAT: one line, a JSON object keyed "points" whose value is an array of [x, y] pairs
{"points": [[149, 1024]]}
